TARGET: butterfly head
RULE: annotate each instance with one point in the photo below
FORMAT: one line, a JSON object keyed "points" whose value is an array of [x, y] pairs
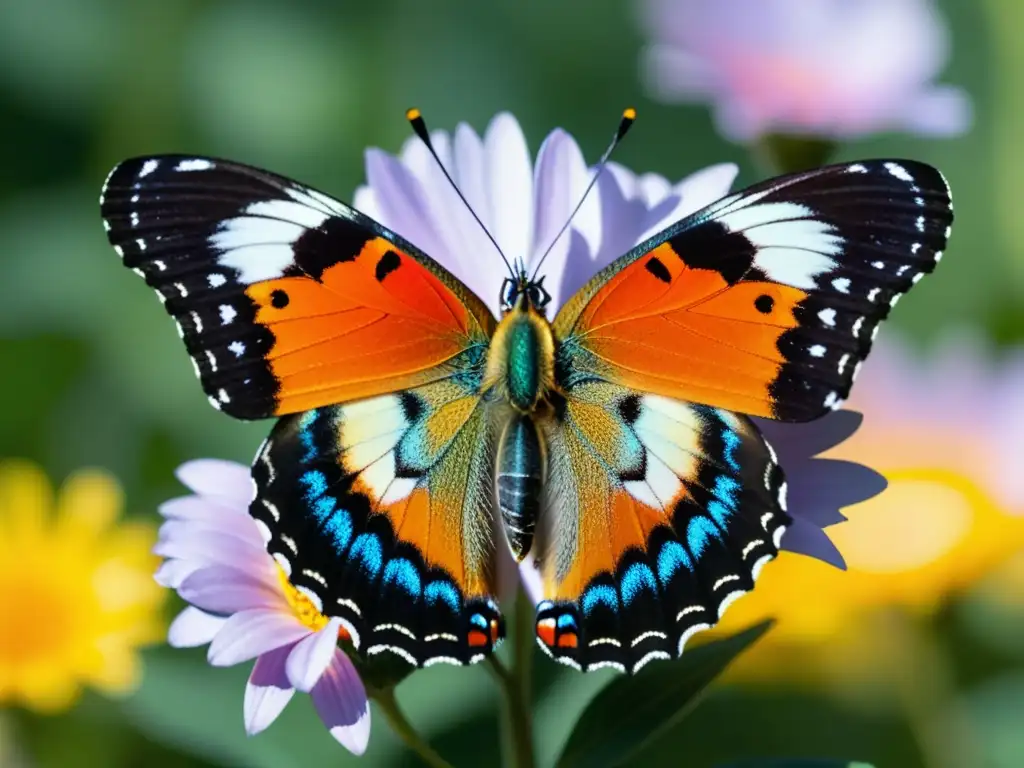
{"points": [[522, 292]]}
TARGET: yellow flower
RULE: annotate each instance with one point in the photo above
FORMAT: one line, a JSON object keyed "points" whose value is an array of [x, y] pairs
{"points": [[77, 596], [930, 534]]}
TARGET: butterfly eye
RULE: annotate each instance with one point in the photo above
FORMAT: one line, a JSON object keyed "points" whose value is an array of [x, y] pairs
{"points": [[539, 297], [508, 295]]}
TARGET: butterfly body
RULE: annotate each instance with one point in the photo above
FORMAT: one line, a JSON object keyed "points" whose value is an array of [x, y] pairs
{"points": [[418, 434]]}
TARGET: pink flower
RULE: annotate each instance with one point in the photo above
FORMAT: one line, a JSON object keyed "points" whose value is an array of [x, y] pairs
{"points": [[243, 606], [836, 68]]}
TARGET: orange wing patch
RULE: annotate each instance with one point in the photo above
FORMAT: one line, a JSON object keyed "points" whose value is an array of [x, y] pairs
{"points": [[376, 323], [662, 326]]}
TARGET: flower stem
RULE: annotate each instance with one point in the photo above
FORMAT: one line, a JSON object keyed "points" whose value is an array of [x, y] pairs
{"points": [[514, 681], [400, 724]]}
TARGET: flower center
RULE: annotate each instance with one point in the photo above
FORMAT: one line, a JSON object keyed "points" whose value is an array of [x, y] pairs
{"points": [[37, 620], [305, 609]]}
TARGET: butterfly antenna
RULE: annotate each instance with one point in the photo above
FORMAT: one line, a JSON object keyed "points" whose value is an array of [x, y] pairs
{"points": [[628, 118], [420, 127]]}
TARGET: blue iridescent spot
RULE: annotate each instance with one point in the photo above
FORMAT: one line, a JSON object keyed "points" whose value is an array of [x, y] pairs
{"points": [[403, 573], [315, 482], [339, 526], [444, 591], [478, 620], [599, 594], [306, 423], [698, 532], [671, 558], [323, 508], [732, 442], [637, 577], [366, 548], [566, 620]]}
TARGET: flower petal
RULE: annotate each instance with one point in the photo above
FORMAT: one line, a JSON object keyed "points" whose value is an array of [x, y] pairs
{"points": [[820, 487], [509, 177], [90, 502], [193, 627], [340, 700], [200, 508], [309, 658], [940, 111], [247, 634], [267, 691], [797, 442], [203, 544], [223, 589], [217, 477], [808, 539]]}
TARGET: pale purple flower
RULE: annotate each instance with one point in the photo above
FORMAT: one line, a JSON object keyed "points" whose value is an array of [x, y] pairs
{"points": [[217, 561], [524, 204], [835, 68]]}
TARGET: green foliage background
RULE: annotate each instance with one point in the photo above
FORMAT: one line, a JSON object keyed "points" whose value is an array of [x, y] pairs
{"points": [[92, 373]]}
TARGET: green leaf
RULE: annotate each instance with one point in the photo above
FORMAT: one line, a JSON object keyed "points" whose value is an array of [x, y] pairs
{"points": [[797, 762], [196, 708], [633, 711]]}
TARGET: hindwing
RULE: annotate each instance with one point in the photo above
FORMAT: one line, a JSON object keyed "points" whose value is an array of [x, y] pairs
{"points": [[659, 514], [381, 511]]}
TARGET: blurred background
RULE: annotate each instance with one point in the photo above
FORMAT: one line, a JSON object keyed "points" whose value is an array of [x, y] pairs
{"points": [[912, 657]]}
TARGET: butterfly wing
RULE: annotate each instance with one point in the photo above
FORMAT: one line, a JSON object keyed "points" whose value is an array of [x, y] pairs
{"points": [[380, 512], [767, 301], [286, 299], [659, 514], [290, 302]]}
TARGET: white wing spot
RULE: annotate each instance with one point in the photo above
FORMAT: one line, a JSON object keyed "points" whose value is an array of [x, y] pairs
{"points": [[899, 172], [182, 290], [227, 314], [856, 327], [857, 168], [917, 277], [160, 265], [878, 264], [938, 256], [920, 224], [148, 167], [915, 248], [818, 350], [841, 284], [135, 218], [196, 164], [216, 279], [873, 293], [197, 321], [237, 348], [223, 396], [842, 363], [828, 317], [141, 243], [213, 361]]}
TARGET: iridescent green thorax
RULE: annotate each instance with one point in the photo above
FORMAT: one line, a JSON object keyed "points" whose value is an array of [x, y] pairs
{"points": [[523, 372], [520, 363]]}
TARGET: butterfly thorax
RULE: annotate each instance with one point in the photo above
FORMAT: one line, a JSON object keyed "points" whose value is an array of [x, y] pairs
{"points": [[521, 360]]}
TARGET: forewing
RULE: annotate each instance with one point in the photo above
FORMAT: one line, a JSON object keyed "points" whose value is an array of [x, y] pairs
{"points": [[659, 514], [380, 511], [767, 301], [286, 299]]}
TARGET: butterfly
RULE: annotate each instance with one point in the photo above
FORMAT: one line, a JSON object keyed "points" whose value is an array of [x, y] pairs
{"points": [[417, 432]]}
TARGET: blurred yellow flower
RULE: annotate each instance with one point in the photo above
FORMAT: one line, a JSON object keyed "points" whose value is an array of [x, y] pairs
{"points": [[944, 427], [77, 596], [931, 533]]}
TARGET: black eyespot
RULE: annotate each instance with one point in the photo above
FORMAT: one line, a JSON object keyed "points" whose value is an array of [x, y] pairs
{"points": [[279, 298], [764, 303]]}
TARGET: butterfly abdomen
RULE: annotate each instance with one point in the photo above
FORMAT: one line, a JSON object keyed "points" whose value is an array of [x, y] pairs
{"points": [[519, 482], [521, 360]]}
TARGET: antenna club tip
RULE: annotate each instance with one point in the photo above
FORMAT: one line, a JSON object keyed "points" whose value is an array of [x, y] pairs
{"points": [[412, 114], [629, 113]]}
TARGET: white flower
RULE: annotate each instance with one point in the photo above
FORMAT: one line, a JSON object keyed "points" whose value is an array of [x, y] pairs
{"points": [[523, 205], [837, 68], [244, 607]]}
